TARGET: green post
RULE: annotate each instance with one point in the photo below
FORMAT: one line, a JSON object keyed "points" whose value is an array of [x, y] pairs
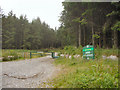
{"points": [[53, 54]]}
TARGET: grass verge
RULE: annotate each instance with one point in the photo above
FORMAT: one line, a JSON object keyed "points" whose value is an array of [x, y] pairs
{"points": [[19, 54], [79, 73]]}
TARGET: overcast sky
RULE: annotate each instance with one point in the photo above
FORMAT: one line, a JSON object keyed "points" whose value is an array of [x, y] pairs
{"points": [[48, 10]]}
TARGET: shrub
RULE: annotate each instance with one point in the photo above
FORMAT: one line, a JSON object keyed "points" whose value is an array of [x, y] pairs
{"points": [[69, 50], [6, 59]]}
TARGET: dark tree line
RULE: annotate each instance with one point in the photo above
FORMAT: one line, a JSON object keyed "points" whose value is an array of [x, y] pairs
{"points": [[19, 33], [82, 23], [96, 23]]}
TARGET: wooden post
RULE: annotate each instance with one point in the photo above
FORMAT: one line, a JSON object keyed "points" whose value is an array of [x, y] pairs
{"points": [[30, 54]]}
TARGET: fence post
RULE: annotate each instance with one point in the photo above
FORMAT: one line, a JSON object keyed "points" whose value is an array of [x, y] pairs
{"points": [[24, 55], [30, 54]]}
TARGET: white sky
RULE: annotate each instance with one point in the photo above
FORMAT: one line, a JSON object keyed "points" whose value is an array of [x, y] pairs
{"points": [[48, 10]]}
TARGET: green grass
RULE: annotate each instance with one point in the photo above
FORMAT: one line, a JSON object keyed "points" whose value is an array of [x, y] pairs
{"points": [[106, 52], [86, 74], [80, 73], [18, 54]]}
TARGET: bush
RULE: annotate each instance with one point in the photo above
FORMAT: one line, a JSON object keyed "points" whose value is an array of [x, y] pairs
{"points": [[10, 58], [79, 50], [9, 55], [6, 59], [71, 50]]}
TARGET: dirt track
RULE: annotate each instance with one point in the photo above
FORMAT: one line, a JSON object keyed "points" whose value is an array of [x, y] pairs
{"points": [[27, 73]]}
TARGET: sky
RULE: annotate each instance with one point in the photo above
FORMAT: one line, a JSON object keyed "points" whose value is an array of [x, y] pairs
{"points": [[47, 10]]}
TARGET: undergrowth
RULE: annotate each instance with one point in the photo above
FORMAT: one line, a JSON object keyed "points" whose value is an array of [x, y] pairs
{"points": [[18, 54], [71, 50], [86, 73]]}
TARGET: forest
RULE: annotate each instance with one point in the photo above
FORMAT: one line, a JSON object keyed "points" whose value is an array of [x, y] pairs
{"points": [[62, 57], [83, 23]]}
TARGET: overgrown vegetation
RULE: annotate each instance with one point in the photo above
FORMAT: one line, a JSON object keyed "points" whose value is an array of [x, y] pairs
{"points": [[17, 54], [71, 50], [79, 73], [82, 73]]}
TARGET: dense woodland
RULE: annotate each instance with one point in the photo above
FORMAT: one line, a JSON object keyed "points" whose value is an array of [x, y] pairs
{"points": [[82, 23], [19, 33]]}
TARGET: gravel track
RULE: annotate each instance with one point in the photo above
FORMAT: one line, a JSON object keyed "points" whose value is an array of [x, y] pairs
{"points": [[27, 73]]}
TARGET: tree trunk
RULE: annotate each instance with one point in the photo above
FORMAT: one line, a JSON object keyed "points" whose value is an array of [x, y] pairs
{"points": [[84, 36], [115, 39], [100, 41], [79, 38], [93, 40], [104, 39]]}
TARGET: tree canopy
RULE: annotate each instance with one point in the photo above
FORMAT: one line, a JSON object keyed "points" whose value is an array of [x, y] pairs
{"points": [[95, 23], [82, 23], [19, 33]]}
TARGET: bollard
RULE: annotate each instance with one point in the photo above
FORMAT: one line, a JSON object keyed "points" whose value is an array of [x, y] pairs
{"points": [[53, 54]]}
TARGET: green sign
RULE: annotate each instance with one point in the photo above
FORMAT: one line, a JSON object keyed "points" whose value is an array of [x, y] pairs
{"points": [[88, 52], [88, 49]]}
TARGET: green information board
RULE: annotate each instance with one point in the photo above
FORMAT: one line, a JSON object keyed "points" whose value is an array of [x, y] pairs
{"points": [[88, 52]]}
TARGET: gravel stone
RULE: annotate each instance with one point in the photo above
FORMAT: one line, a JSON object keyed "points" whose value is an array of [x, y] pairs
{"points": [[27, 73]]}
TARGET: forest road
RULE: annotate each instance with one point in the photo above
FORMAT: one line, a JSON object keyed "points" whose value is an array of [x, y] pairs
{"points": [[27, 73]]}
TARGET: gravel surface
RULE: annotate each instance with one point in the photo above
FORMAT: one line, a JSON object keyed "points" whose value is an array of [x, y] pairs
{"points": [[27, 73]]}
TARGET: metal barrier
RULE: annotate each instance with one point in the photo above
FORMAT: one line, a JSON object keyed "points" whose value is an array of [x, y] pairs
{"points": [[40, 53]]}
